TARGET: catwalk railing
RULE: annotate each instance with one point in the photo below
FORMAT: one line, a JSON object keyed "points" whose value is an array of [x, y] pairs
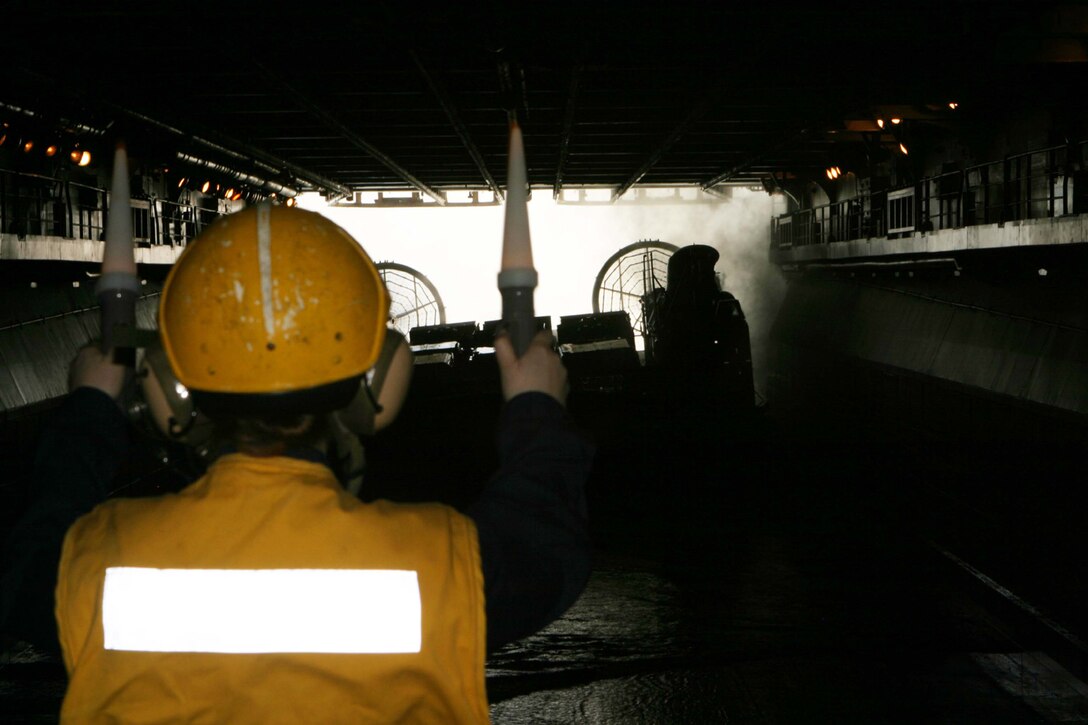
{"points": [[37, 205], [1044, 183]]}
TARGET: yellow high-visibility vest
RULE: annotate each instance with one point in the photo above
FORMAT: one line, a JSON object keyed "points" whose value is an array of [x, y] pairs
{"points": [[264, 593]]}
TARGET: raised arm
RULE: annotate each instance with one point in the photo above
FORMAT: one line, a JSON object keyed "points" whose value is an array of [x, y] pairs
{"points": [[79, 452], [531, 517]]}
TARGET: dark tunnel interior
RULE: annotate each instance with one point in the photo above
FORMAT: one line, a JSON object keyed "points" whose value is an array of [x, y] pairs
{"points": [[866, 509]]}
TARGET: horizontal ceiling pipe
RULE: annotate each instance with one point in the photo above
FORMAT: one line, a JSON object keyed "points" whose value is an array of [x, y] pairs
{"points": [[227, 146], [72, 125], [247, 153], [269, 186]]}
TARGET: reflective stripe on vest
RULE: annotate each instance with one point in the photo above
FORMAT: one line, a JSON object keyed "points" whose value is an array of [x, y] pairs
{"points": [[349, 611]]}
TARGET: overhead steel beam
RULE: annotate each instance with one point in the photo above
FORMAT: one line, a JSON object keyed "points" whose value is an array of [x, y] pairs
{"points": [[754, 159], [341, 128], [568, 126], [459, 128], [717, 193], [660, 151], [512, 89]]}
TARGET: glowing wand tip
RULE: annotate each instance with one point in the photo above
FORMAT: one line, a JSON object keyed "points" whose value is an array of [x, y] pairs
{"points": [[118, 255], [517, 278], [517, 251], [118, 285]]}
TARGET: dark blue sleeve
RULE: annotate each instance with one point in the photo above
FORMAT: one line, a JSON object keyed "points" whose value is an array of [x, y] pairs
{"points": [[531, 518], [79, 451]]}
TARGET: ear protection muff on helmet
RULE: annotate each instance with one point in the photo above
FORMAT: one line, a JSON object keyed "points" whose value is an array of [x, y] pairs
{"points": [[378, 399], [169, 402], [382, 390]]}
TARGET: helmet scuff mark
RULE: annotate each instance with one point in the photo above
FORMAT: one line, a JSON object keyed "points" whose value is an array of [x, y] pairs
{"points": [[264, 260]]}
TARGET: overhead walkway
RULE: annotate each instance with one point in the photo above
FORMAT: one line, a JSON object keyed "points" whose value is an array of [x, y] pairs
{"points": [[1035, 199]]}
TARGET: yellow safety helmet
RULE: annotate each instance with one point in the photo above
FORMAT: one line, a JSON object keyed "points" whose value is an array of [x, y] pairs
{"points": [[272, 301]]}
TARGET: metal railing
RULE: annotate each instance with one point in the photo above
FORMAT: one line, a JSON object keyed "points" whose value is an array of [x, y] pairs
{"points": [[1044, 183], [36, 205]]}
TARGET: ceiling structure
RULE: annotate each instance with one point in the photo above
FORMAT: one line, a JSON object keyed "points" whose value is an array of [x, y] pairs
{"points": [[417, 96]]}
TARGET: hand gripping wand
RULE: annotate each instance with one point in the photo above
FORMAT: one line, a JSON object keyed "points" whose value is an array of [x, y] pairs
{"points": [[118, 286], [517, 277]]}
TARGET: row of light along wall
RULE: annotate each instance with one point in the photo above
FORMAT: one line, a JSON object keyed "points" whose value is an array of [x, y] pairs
{"points": [[82, 157], [79, 156], [230, 193], [834, 172]]}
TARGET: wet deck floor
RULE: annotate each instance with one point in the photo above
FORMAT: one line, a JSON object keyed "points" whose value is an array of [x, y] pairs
{"points": [[741, 579], [745, 584], [777, 635], [626, 655]]}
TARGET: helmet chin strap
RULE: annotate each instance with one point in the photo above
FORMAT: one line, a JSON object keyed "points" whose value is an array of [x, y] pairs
{"points": [[346, 456], [346, 452], [371, 397]]}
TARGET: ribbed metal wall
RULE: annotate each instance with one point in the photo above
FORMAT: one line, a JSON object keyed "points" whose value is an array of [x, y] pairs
{"points": [[36, 351], [1024, 343]]}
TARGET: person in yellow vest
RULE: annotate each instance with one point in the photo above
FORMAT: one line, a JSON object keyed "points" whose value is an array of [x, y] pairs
{"points": [[264, 592]]}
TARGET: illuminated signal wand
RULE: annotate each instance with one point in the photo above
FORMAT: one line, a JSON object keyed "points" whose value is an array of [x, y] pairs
{"points": [[517, 277], [118, 286]]}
